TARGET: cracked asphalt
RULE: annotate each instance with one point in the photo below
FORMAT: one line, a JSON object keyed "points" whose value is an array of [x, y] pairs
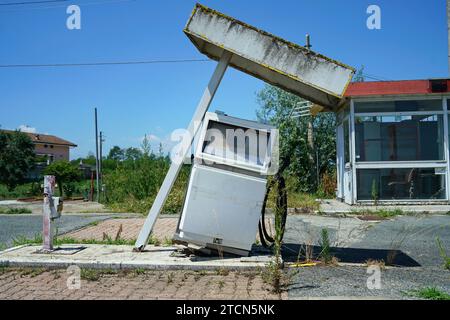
{"points": [[417, 261]]}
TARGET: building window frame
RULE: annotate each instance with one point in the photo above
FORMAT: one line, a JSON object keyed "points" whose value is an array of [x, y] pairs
{"points": [[444, 163]]}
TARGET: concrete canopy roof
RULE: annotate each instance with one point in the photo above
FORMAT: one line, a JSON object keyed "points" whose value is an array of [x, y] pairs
{"points": [[274, 60]]}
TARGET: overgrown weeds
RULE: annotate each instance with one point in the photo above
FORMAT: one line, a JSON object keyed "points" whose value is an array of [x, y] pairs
{"points": [[443, 254], [325, 255], [15, 211], [31, 272], [379, 263], [107, 240], [95, 274]]}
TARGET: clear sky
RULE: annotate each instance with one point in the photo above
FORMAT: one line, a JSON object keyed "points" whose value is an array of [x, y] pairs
{"points": [[155, 99]]}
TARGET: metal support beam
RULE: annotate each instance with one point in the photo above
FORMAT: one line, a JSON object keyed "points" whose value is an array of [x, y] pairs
{"points": [[175, 166]]}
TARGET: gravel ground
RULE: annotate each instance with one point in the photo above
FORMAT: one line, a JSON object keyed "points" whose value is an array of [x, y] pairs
{"points": [[13, 226], [351, 281]]}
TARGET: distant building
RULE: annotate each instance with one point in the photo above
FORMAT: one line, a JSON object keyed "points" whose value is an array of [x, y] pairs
{"points": [[50, 147]]}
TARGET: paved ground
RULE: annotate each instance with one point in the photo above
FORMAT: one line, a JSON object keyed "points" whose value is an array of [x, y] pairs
{"points": [[411, 238], [408, 241], [163, 230], [13, 226], [351, 281], [28, 284], [415, 236]]}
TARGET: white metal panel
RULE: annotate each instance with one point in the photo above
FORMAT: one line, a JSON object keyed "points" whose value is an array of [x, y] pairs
{"points": [[218, 150], [222, 205], [282, 63]]}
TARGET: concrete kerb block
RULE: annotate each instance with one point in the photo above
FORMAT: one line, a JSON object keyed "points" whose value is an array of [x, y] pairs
{"points": [[120, 258]]}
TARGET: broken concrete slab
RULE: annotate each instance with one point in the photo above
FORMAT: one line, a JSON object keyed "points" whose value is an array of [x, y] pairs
{"points": [[123, 257]]}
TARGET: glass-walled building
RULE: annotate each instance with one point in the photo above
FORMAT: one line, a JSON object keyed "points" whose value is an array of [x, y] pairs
{"points": [[392, 142]]}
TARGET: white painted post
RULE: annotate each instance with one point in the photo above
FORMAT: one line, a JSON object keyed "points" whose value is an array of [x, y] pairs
{"points": [[446, 148], [47, 233], [175, 167], [353, 151]]}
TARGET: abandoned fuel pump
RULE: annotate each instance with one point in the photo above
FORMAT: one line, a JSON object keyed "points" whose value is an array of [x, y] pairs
{"points": [[234, 192], [227, 185], [52, 209]]}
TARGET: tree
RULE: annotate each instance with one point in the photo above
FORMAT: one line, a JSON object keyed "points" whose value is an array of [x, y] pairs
{"points": [[17, 158], [146, 147], [359, 76], [64, 172], [133, 154], [116, 153], [275, 107]]}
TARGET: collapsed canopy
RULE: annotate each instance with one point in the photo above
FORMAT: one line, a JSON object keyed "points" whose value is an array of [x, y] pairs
{"points": [[274, 60]]}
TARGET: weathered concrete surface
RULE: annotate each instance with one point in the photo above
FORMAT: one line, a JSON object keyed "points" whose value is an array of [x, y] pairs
{"points": [[332, 206], [123, 257], [284, 64]]}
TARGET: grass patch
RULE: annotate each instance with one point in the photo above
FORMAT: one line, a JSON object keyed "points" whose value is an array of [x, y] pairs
{"points": [[305, 202], [383, 213], [32, 272], [21, 240], [167, 242], [95, 274], [429, 293], [15, 211], [170, 277]]}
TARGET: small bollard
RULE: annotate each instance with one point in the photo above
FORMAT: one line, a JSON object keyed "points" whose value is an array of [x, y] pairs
{"points": [[51, 210]]}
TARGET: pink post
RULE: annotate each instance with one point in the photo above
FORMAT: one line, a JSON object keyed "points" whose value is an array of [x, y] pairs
{"points": [[47, 234]]}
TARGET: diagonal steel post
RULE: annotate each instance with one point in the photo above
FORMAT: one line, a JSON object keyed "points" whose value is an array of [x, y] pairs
{"points": [[175, 166]]}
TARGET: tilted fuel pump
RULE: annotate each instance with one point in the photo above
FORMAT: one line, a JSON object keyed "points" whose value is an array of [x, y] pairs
{"points": [[227, 184]]}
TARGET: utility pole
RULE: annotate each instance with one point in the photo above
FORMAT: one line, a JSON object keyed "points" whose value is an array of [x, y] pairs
{"points": [[101, 160], [310, 122], [97, 164]]}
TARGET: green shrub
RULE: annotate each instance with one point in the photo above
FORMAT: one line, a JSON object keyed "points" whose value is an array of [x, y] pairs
{"points": [[429, 293], [133, 186], [324, 242], [69, 189], [15, 211]]}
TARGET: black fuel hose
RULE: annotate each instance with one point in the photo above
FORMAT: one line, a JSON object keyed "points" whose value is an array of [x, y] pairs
{"points": [[281, 205]]}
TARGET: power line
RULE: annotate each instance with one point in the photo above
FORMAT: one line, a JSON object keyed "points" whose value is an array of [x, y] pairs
{"points": [[30, 2], [86, 64], [375, 77], [52, 4], [109, 63]]}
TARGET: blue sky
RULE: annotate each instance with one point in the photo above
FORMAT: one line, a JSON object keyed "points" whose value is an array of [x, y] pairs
{"points": [[155, 99]]}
